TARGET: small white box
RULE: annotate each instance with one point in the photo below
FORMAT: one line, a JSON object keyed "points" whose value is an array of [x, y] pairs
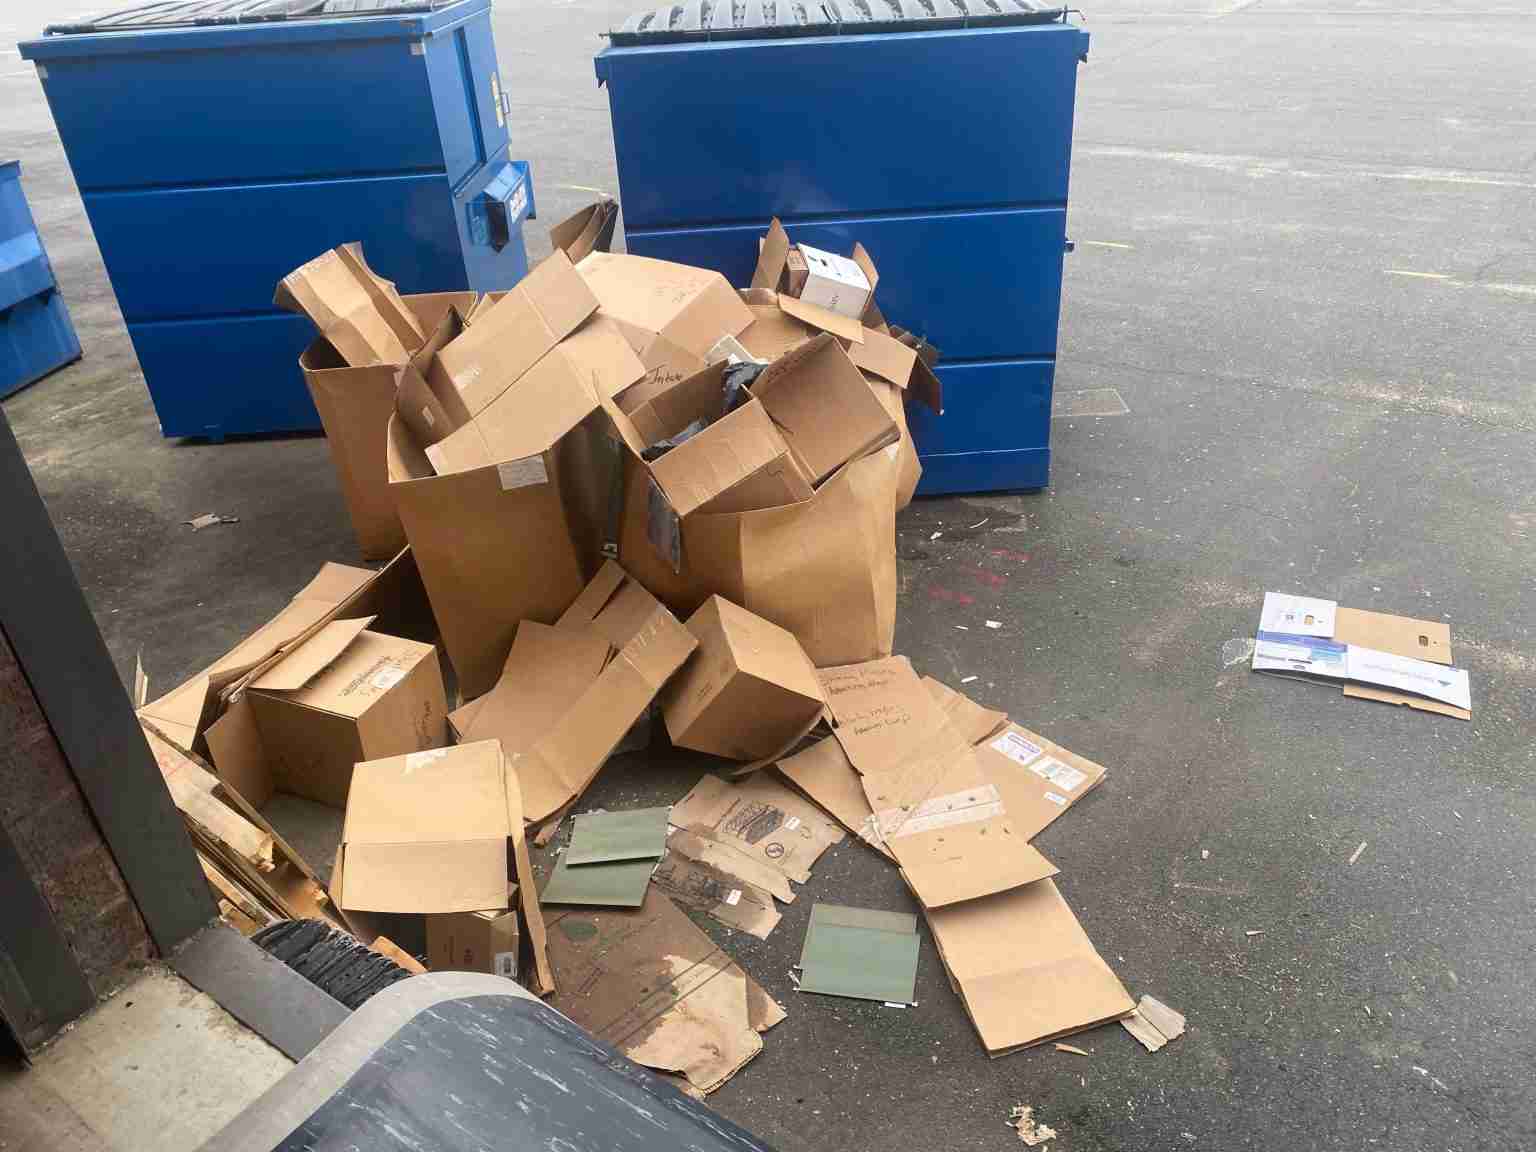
{"points": [[834, 282]]}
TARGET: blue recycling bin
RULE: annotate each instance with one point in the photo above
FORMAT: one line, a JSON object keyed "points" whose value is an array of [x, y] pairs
{"points": [[936, 132], [219, 144], [36, 335]]}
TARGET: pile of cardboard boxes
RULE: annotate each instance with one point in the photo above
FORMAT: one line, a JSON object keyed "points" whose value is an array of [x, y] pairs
{"points": [[624, 489]]}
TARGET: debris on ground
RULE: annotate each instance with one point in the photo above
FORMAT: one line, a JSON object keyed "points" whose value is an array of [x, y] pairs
{"points": [[1073, 1049], [208, 520], [1153, 1023], [1355, 855], [1022, 1119], [860, 952], [1373, 655]]}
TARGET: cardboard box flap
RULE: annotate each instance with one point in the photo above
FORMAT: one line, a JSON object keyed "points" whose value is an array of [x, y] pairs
{"points": [[454, 876], [558, 768], [771, 256], [843, 327], [974, 722], [303, 662], [691, 307], [924, 384], [595, 596], [542, 979], [773, 332], [359, 312], [884, 356], [826, 410], [867, 266], [1400, 635], [629, 610], [761, 648], [824, 773], [599, 354], [588, 230], [547, 668], [508, 338], [709, 465], [1025, 968]]}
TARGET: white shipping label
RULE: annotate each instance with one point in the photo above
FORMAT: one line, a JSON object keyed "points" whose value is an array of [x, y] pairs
{"points": [[386, 678], [1437, 681], [521, 473], [791, 823], [1064, 776], [506, 965], [1059, 801], [426, 414], [1016, 748], [733, 896]]}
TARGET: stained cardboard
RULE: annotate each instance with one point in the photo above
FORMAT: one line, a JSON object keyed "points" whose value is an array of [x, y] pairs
{"points": [[719, 895], [932, 801], [1025, 969], [485, 941], [358, 311], [587, 230], [824, 407], [731, 859], [439, 831], [492, 551], [761, 819], [560, 764], [685, 306], [863, 953], [505, 340], [749, 692], [654, 986]]}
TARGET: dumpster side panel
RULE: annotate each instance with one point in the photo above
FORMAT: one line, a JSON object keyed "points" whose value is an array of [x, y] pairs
{"points": [[910, 122], [36, 335], [288, 111]]}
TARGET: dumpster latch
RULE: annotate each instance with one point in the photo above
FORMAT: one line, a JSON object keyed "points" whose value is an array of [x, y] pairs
{"points": [[503, 204]]}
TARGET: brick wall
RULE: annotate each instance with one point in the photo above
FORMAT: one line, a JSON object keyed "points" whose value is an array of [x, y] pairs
{"points": [[43, 811]]}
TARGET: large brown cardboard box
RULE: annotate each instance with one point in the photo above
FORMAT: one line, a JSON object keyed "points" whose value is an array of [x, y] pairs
{"points": [[823, 568], [439, 831], [354, 406], [343, 695], [493, 545], [749, 693], [485, 941], [654, 300]]}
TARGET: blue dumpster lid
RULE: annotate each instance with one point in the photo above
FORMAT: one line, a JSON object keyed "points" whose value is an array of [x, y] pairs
{"points": [[765, 19], [161, 14]]}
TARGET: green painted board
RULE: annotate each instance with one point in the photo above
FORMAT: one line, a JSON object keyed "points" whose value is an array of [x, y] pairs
{"points": [[605, 837], [860, 952], [620, 885]]}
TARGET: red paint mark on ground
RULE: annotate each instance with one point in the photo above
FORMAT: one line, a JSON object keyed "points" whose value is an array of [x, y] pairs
{"points": [[949, 595], [1005, 554], [990, 579]]}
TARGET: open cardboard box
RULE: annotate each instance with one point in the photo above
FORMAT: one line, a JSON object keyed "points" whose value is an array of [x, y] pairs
{"points": [[434, 832], [356, 310], [341, 695]]}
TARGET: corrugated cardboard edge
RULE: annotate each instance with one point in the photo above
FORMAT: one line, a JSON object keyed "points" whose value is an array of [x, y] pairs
{"points": [[1380, 630]]}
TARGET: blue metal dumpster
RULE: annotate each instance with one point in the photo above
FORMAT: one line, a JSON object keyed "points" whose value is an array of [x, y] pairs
{"points": [[35, 333], [936, 132], [219, 144]]}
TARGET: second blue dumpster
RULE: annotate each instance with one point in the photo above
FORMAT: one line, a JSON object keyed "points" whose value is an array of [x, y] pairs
{"points": [[219, 144], [936, 132]]}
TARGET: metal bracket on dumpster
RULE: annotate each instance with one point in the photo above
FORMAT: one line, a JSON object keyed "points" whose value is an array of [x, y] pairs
{"points": [[504, 204]]}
